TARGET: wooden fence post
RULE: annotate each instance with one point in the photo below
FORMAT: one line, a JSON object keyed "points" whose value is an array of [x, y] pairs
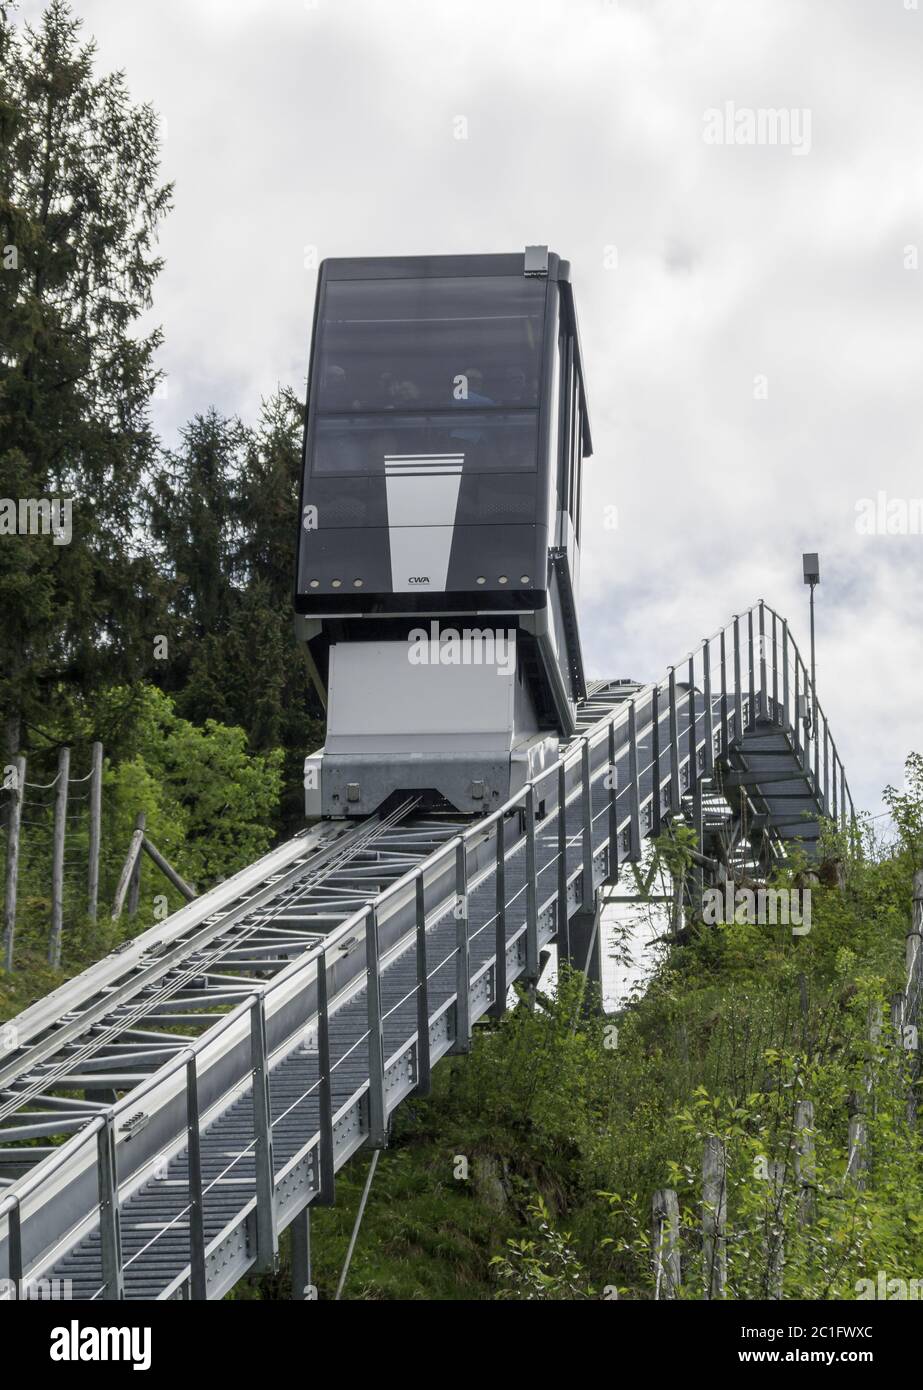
{"points": [[775, 1238], [875, 1023], [167, 869], [667, 1264], [134, 888], [12, 732], [714, 1216], [57, 857], [914, 986], [134, 849], [14, 822], [858, 1157], [96, 793]]}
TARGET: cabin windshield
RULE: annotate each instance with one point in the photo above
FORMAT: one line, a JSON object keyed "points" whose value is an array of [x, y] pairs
{"points": [[446, 344]]}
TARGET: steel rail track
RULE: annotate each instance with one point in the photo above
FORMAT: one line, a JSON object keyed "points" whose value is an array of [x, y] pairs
{"points": [[309, 1063], [159, 975]]}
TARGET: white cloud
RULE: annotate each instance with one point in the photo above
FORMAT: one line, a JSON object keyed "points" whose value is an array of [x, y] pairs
{"points": [[292, 125]]}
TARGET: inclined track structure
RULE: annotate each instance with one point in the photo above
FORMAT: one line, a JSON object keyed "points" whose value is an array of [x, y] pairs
{"points": [[168, 1113]]}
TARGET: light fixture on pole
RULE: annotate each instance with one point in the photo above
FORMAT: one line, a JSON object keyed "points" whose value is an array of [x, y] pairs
{"points": [[811, 566]]}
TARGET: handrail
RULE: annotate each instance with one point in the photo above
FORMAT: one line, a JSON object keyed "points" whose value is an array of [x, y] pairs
{"points": [[592, 737], [752, 679]]}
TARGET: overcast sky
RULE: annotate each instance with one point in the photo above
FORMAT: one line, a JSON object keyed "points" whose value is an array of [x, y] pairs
{"points": [[750, 313]]}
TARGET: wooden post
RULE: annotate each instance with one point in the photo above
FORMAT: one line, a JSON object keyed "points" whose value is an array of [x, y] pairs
{"points": [[134, 849], [14, 821], [57, 857], [804, 1161], [11, 748], [166, 868], [914, 961], [903, 1035], [805, 1010], [775, 1236], [898, 1005], [918, 902], [96, 802], [858, 1157], [714, 1216], [134, 887], [667, 1265]]}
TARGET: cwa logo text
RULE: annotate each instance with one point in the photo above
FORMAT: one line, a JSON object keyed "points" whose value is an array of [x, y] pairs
{"points": [[76, 1343]]}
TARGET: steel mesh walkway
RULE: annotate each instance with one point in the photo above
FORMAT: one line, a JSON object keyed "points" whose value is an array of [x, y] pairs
{"points": [[184, 1183]]}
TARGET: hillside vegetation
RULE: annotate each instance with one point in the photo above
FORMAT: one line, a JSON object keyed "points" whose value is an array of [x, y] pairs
{"points": [[529, 1171]]}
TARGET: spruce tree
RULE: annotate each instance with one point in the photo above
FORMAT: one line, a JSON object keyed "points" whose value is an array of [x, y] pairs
{"points": [[80, 204]]}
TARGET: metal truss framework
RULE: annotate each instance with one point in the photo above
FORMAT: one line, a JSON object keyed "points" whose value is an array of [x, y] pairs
{"points": [[209, 1079]]}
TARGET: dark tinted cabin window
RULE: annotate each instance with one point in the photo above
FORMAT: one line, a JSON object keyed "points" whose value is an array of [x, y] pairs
{"points": [[403, 345], [485, 441]]}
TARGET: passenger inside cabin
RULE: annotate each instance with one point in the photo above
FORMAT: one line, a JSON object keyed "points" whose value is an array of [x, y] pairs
{"points": [[475, 393], [335, 390]]}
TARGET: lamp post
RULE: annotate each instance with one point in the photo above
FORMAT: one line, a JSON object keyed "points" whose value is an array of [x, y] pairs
{"points": [[811, 566]]}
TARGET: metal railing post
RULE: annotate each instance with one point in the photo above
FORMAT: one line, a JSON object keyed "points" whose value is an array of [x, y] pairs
{"points": [[501, 987], [377, 1120], [267, 1238], [198, 1288], [692, 743], [532, 967], [612, 786], [751, 670], [325, 1162], [14, 1248], [764, 691], [738, 693], [809, 724], [424, 1071], [655, 765], [725, 732], [775, 668], [709, 721], [826, 768], [110, 1223], [785, 691], [675, 794], [633, 788], [462, 952], [587, 807]]}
